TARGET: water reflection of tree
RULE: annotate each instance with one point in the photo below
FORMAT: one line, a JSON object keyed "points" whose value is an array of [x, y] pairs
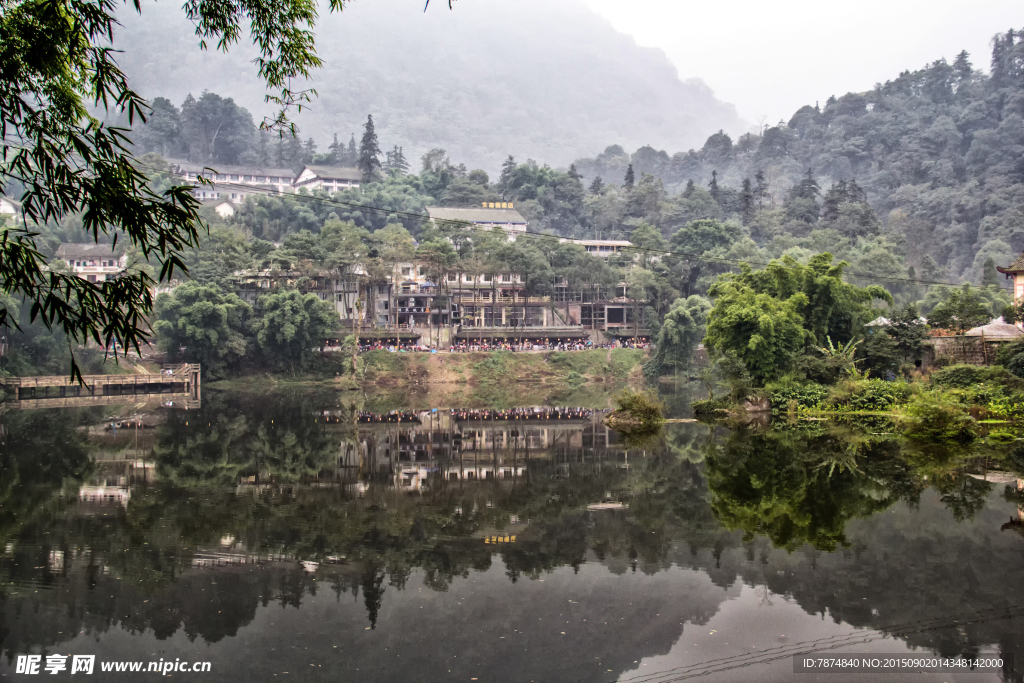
{"points": [[803, 486], [785, 484]]}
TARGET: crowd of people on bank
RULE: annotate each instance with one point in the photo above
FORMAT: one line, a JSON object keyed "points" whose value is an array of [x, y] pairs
{"points": [[494, 345], [472, 347], [463, 415]]}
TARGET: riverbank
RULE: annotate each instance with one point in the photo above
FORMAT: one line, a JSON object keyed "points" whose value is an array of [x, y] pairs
{"points": [[951, 404], [482, 379]]}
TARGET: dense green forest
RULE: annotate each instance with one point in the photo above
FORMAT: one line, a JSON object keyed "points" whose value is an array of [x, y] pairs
{"points": [[921, 177], [938, 153], [920, 181]]}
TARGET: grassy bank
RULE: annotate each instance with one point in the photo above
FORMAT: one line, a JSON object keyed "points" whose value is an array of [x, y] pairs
{"points": [[584, 378], [952, 404]]}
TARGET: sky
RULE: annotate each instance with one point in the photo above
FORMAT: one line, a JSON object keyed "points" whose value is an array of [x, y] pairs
{"points": [[770, 58]]}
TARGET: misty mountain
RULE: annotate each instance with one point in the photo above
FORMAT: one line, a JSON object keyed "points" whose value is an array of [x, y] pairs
{"points": [[544, 79]]}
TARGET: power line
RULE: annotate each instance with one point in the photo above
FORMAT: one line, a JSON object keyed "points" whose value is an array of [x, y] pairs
{"points": [[735, 263]]}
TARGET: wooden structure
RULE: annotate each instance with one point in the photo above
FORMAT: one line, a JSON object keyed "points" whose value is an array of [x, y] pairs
{"points": [[173, 383]]}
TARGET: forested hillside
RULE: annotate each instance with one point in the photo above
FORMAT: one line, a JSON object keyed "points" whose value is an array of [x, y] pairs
{"points": [[542, 79], [938, 154]]}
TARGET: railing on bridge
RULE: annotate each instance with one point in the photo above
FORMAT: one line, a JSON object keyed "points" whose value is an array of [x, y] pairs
{"points": [[180, 380]]}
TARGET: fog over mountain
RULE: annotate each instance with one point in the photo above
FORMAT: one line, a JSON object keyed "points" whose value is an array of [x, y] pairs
{"points": [[542, 79]]}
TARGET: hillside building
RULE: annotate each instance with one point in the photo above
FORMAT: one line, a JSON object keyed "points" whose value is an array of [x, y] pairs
{"points": [[328, 178], [93, 262], [500, 215], [235, 182]]}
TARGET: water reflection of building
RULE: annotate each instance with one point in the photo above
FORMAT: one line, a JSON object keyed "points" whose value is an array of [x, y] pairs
{"points": [[409, 453]]}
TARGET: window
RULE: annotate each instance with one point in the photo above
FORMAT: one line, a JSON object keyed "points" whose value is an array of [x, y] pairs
{"points": [[487, 278], [234, 177], [406, 271], [452, 277], [423, 270]]}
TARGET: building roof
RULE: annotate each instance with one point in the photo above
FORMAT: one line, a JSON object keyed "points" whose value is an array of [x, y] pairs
{"points": [[996, 330], [1016, 267], [603, 243], [89, 250], [222, 169], [493, 216], [335, 172]]}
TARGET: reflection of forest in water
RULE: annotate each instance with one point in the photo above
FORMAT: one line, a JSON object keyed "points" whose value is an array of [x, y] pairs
{"points": [[262, 500]]}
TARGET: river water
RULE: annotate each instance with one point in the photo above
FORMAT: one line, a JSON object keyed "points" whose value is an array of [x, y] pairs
{"points": [[309, 536]]}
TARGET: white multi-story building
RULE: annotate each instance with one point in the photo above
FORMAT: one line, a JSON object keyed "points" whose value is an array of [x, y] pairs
{"points": [[234, 183], [329, 178], [93, 262]]}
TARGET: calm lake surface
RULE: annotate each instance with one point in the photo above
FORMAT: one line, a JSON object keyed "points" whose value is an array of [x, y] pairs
{"points": [[307, 535]]}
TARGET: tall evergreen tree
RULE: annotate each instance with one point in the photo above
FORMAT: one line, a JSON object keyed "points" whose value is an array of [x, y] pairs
{"points": [[836, 196], [352, 153], [337, 151], [690, 188], [507, 169], [713, 186], [369, 153], [761, 189], [747, 202], [308, 151], [630, 179], [396, 163], [597, 185]]}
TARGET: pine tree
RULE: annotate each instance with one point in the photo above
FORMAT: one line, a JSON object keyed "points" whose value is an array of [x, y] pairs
{"points": [[836, 196], [690, 187], [747, 202], [507, 170], [630, 179], [964, 72], [713, 185], [289, 152], [808, 187], [760, 189], [369, 154], [352, 153], [308, 151], [574, 174], [597, 185], [337, 151], [396, 163], [855, 193]]}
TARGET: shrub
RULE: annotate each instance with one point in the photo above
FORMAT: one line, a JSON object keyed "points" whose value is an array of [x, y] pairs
{"points": [[711, 406], [932, 416], [1016, 365], [869, 394], [782, 394], [1008, 352], [641, 406], [964, 376]]}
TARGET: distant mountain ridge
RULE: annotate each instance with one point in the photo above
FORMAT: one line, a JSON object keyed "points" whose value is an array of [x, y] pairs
{"points": [[543, 79]]}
